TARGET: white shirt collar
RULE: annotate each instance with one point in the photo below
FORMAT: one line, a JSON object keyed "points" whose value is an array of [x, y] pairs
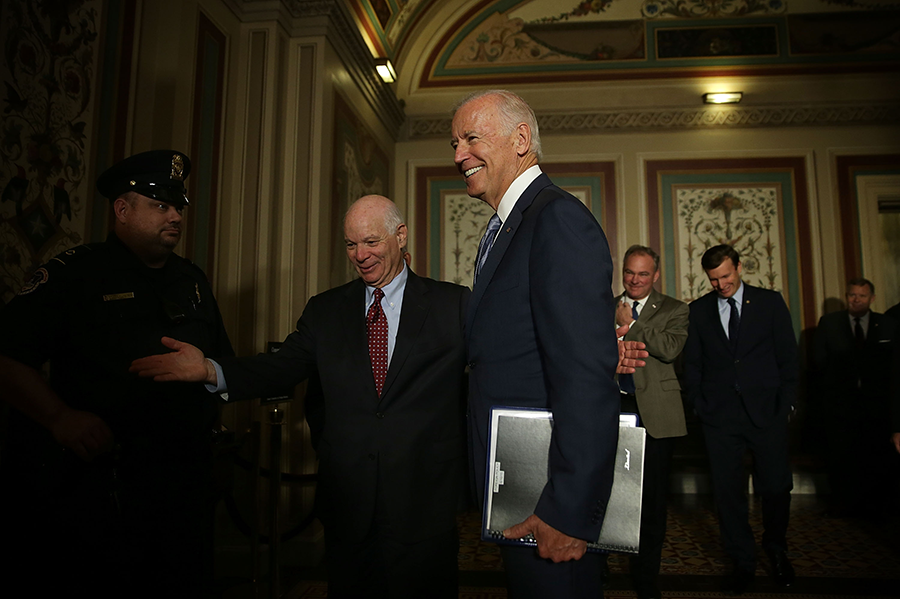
{"points": [[516, 189], [738, 297], [393, 291]]}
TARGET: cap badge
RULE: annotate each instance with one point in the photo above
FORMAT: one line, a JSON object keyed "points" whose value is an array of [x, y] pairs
{"points": [[177, 167]]}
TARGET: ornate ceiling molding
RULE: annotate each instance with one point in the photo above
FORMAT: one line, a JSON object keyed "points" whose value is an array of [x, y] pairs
{"points": [[689, 118]]}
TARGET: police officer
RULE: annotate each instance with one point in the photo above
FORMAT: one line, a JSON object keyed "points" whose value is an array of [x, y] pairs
{"points": [[106, 476]]}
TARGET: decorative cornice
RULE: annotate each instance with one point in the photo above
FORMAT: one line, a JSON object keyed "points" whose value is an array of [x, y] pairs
{"points": [[331, 19], [689, 118]]}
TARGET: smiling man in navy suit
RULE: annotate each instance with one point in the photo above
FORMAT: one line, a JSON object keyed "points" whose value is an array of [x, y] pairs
{"points": [[741, 373], [539, 334]]}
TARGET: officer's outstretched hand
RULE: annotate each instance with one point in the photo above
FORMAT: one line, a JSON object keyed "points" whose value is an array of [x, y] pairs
{"points": [[86, 434], [187, 364]]}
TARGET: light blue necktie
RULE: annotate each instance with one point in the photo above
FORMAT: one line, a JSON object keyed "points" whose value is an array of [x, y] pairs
{"points": [[487, 241]]}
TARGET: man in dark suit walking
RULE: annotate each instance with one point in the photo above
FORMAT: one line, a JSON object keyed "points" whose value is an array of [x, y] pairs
{"points": [[653, 392], [852, 352], [389, 354], [538, 335], [741, 372]]}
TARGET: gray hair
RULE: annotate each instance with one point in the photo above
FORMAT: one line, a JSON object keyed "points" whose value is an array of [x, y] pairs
{"points": [[392, 218], [513, 110]]}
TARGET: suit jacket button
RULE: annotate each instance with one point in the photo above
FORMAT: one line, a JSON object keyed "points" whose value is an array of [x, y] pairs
{"points": [[737, 361], [472, 364], [379, 414]]}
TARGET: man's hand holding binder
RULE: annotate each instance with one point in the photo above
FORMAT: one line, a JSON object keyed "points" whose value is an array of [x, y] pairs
{"points": [[552, 544]]}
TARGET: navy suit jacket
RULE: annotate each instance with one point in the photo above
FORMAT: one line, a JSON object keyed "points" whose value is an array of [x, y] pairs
{"points": [[761, 374], [844, 375], [539, 335], [408, 444]]}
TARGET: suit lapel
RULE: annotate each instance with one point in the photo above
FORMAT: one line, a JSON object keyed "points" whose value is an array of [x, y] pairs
{"points": [[849, 332], [504, 238], [354, 331], [416, 304], [651, 306], [873, 335]]}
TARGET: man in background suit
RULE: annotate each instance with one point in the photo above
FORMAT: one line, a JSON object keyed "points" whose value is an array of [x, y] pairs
{"points": [[741, 372], [894, 312], [391, 440], [653, 392], [852, 351], [538, 335]]}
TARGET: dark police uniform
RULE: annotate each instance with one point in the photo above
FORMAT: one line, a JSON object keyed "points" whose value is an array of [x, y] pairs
{"points": [[140, 515]]}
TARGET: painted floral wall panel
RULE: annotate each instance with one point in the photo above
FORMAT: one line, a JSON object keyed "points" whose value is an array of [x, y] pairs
{"points": [[361, 167], [748, 218], [758, 205], [463, 221], [455, 222], [48, 70]]}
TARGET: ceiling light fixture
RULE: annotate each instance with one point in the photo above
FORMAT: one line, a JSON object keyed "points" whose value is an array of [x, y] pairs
{"points": [[723, 98], [385, 70]]}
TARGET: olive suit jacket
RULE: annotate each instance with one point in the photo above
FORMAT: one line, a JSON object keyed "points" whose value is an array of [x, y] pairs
{"points": [[663, 327]]}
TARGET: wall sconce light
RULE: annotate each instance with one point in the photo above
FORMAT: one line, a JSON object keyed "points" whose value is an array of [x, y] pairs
{"points": [[723, 98], [385, 70]]}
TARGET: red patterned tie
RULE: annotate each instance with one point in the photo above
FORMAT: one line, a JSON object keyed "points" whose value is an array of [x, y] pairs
{"points": [[376, 325]]}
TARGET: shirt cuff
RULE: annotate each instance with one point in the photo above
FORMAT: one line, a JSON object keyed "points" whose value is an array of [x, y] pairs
{"points": [[221, 388]]}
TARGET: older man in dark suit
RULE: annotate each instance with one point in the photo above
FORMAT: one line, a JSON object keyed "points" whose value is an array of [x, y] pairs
{"points": [[741, 372], [852, 352], [653, 392], [538, 335], [388, 351]]}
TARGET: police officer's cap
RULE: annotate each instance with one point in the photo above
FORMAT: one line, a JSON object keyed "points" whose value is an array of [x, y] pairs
{"points": [[157, 174]]}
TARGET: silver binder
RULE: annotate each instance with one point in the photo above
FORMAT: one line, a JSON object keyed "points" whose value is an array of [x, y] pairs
{"points": [[518, 447]]}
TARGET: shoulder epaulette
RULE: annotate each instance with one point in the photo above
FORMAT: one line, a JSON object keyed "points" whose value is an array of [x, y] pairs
{"points": [[71, 255]]}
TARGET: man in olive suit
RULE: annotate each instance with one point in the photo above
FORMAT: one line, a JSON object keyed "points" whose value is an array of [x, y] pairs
{"points": [[653, 392]]}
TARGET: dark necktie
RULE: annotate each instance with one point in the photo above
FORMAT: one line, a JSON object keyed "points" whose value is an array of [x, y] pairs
{"points": [[626, 381], [734, 322], [858, 332], [487, 241], [377, 329]]}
